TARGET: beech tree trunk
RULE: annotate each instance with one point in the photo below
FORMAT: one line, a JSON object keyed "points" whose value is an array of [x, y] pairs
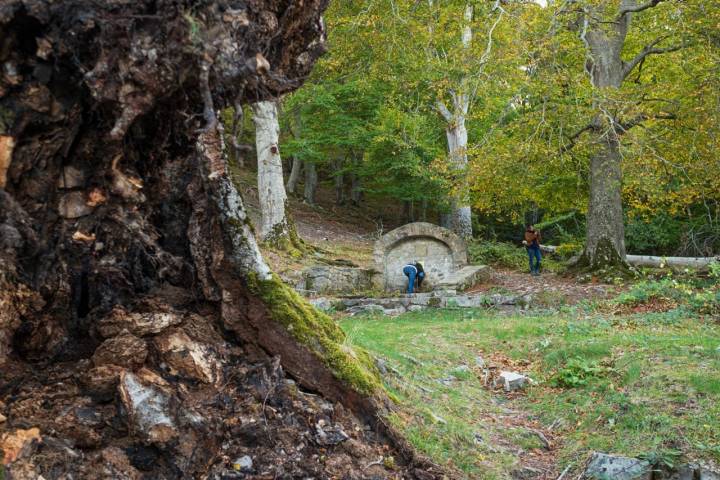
{"points": [[297, 164], [142, 335], [457, 140], [311, 181], [339, 182], [275, 227], [295, 173], [461, 220], [605, 42]]}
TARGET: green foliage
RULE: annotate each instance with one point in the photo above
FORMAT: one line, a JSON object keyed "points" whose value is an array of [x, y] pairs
{"points": [[500, 254], [578, 372], [506, 255], [690, 295], [665, 289]]}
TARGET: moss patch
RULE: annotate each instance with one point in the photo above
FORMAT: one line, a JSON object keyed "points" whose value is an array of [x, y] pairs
{"points": [[319, 333]]}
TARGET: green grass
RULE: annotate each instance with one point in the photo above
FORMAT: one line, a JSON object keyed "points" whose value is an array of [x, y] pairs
{"points": [[647, 388]]}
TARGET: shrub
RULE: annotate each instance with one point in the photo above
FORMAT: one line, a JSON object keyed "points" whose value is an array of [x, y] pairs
{"points": [[499, 254], [578, 372]]}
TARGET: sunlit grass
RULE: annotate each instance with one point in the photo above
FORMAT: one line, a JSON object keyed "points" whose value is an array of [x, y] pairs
{"points": [[658, 388]]}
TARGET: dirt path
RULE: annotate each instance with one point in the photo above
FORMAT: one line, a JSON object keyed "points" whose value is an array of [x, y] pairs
{"points": [[548, 289]]}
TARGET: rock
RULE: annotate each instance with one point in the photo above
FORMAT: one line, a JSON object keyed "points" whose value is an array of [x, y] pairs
{"points": [[102, 381], [10, 238], [437, 419], [137, 323], [19, 444], [329, 435], [705, 474], [391, 312], [3, 418], [381, 366], [147, 405], [188, 358], [415, 308], [610, 467], [125, 350], [511, 381], [323, 304], [480, 362], [114, 463], [243, 464], [71, 177], [526, 473], [73, 205]]}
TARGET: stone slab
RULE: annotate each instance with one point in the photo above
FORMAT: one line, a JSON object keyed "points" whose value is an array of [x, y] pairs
{"points": [[466, 277]]}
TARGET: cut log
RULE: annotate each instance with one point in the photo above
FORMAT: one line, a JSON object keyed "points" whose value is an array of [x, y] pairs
{"points": [[662, 262], [656, 261]]}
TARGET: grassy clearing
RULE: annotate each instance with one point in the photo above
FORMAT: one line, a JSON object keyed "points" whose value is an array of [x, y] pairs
{"points": [[634, 385]]}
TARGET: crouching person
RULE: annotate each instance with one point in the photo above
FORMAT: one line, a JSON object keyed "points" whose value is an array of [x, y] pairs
{"points": [[415, 272]]}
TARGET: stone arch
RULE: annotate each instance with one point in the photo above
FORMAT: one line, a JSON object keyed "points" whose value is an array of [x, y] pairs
{"points": [[439, 250]]}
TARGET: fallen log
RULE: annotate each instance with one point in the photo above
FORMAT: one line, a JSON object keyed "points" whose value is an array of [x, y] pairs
{"points": [[656, 261], [662, 262]]}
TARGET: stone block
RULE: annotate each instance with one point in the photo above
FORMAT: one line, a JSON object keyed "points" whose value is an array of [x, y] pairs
{"points": [[611, 467], [330, 279], [511, 381], [465, 277]]}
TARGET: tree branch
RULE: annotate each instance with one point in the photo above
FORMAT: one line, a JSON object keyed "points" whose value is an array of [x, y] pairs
{"points": [[643, 117], [638, 8], [650, 49], [447, 115], [573, 138]]}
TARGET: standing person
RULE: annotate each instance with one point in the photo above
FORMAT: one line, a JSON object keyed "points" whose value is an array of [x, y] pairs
{"points": [[414, 271], [532, 244]]}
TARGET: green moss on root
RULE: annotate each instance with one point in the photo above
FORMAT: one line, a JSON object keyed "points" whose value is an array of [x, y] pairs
{"points": [[319, 333]]}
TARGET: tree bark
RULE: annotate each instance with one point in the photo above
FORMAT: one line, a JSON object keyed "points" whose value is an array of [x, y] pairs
{"points": [[605, 223], [607, 71], [137, 316], [295, 172], [461, 221], [311, 181], [339, 182], [457, 140], [275, 226], [297, 163]]}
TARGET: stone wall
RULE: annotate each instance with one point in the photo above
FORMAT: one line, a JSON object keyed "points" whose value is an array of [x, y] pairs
{"points": [[330, 279], [440, 251]]}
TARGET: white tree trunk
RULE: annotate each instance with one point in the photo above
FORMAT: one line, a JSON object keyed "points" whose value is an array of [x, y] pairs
{"points": [[294, 178], [271, 189], [311, 181], [457, 138]]}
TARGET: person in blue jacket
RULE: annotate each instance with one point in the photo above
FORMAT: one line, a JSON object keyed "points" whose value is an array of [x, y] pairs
{"points": [[414, 271]]}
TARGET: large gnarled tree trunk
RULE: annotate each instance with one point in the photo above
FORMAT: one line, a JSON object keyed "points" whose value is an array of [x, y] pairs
{"points": [[137, 316], [605, 41]]}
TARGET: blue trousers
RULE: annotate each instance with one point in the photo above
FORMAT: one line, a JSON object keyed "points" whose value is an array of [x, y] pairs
{"points": [[412, 273], [534, 254]]}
